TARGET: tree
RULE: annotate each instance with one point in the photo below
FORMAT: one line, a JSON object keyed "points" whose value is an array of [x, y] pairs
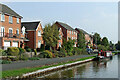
{"points": [[51, 35], [105, 41], [117, 45], [81, 40], [96, 39], [68, 45]]}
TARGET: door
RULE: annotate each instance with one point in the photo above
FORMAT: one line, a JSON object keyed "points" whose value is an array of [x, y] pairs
{"points": [[15, 44], [2, 31], [39, 44], [10, 32]]}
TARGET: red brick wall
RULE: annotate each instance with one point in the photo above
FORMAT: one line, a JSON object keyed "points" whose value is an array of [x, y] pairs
{"points": [[39, 37], [30, 37]]}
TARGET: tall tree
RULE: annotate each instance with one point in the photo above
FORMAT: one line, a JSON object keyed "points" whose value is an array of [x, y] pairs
{"points": [[117, 45], [96, 39], [105, 41], [81, 40], [51, 35]]}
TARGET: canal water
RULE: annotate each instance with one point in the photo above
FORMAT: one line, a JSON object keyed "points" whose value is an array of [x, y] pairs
{"points": [[93, 69]]}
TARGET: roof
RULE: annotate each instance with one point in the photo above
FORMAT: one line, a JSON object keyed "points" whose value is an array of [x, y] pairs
{"points": [[6, 10], [82, 30], [30, 25], [66, 26]]}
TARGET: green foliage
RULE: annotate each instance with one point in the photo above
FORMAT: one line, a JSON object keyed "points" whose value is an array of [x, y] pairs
{"points": [[13, 51], [34, 58], [70, 53], [76, 51], [21, 50], [96, 39], [5, 62], [81, 40], [102, 47], [24, 56], [117, 45], [51, 35], [68, 45], [27, 49], [46, 54], [105, 41], [35, 52], [62, 52]]}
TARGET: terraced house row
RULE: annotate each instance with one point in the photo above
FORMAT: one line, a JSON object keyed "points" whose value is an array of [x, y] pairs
{"points": [[14, 33]]}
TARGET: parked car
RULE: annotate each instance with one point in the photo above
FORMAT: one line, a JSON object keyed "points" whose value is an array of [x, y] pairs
{"points": [[89, 50]]}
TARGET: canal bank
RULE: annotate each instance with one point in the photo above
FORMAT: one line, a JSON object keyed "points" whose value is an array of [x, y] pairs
{"points": [[20, 72]]}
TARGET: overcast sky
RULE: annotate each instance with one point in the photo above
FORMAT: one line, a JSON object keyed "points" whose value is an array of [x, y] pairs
{"points": [[100, 17]]}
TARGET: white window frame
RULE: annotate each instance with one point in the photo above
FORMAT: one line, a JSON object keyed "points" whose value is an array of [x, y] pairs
{"points": [[17, 30], [70, 32], [59, 44], [39, 33], [17, 20], [2, 17], [38, 43], [11, 29], [72, 38], [10, 19], [2, 32]]}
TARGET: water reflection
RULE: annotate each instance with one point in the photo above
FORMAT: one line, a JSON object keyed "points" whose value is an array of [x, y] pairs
{"points": [[106, 69]]}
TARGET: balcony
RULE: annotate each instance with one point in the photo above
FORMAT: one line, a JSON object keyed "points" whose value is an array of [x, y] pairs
{"points": [[9, 35]]}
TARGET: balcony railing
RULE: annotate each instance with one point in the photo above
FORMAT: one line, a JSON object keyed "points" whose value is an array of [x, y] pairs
{"points": [[9, 35]]}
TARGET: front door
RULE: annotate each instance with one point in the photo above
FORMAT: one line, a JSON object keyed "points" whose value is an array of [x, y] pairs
{"points": [[10, 32]]}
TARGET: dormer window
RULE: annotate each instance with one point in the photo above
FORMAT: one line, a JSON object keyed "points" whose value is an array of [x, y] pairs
{"points": [[2, 17], [17, 20], [10, 19]]}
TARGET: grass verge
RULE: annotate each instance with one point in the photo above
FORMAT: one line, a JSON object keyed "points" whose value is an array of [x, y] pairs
{"points": [[20, 72]]}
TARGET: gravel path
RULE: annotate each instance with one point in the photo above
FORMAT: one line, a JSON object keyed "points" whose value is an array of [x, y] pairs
{"points": [[18, 65]]}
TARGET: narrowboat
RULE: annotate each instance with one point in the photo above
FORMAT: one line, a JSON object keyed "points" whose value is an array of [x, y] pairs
{"points": [[104, 55]]}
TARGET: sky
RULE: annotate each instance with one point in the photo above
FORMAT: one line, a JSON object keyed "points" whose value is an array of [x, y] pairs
{"points": [[100, 17]]}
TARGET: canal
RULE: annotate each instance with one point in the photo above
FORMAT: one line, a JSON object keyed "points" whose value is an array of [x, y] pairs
{"points": [[93, 69]]}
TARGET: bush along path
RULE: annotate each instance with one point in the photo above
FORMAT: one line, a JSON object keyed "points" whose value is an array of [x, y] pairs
{"points": [[20, 72]]}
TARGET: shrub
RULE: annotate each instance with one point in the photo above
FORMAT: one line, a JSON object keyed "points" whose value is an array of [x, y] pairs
{"points": [[62, 52], [76, 51], [24, 56], [70, 54], [21, 50], [46, 54], [13, 51], [102, 47], [27, 49], [83, 51], [35, 52], [34, 58], [5, 62], [4, 53], [56, 53]]}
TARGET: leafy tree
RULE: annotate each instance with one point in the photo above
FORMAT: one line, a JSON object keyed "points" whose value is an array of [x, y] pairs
{"points": [[105, 41], [81, 40], [118, 45], [96, 39], [51, 35], [68, 45]]}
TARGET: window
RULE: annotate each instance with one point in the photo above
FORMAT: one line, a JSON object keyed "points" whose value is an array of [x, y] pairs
{"points": [[10, 19], [23, 30], [72, 38], [2, 17], [59, 44], [18, 20], [39, 44], [39, 33], [70, 32], [2, 31], [17, 31]]}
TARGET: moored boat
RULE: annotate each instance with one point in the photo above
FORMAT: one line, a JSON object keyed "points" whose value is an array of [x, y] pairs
{"points": [[104, 55]]}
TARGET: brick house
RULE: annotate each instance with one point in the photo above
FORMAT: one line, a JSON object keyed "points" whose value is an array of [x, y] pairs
{"points": [[68, 31], [33, 34], [88, 37], [10, 28]]}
